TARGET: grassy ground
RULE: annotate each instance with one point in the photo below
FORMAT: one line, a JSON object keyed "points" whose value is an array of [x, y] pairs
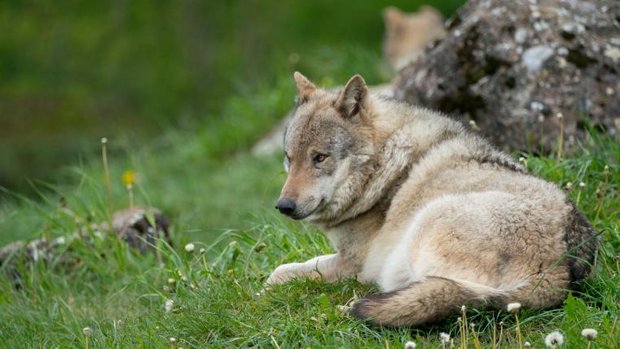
{"points": [[221, 199]]}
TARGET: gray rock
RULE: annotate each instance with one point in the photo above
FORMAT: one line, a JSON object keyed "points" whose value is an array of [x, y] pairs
{"points": [[512, 74], [138, 227], [534, 57]]}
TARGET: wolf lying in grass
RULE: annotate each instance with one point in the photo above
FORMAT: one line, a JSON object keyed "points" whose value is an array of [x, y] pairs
{"points": [[429, 211]]}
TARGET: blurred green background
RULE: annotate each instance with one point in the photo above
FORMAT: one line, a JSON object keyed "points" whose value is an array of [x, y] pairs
{"points": [[72, 72]]}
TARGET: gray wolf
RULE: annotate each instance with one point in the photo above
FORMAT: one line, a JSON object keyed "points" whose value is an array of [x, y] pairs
{"points": [[431, 212]]}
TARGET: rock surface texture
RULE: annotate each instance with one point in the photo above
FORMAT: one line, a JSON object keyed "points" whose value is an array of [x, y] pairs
{"points": [[525, 71]]}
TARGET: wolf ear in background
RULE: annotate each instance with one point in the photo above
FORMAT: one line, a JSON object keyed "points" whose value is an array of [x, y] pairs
{"points": [[304, 87], [392, 16], [353, 97]]}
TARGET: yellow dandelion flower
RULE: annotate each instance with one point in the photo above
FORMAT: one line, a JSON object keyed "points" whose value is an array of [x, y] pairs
{"points": [[129, 177]]}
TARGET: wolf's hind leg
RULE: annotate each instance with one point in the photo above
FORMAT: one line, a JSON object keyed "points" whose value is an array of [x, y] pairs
{"points": [[421, 302]]}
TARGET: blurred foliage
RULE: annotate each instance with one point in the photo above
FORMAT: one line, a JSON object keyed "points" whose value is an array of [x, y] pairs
{"points": [[75, 71]]}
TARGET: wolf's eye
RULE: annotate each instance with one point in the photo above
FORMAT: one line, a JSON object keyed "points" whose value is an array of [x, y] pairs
{"points": [[318, 158]]}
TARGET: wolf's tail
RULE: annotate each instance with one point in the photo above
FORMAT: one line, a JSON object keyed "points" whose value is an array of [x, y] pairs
{"points": [[422, 302]]}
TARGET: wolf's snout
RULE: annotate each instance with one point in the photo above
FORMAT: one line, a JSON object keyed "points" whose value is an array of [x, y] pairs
{"points": [[286, 206]]}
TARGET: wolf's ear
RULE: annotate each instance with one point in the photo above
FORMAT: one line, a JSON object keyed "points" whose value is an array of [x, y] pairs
{"points": [[304, 86], [392, 16], [353, 96]]}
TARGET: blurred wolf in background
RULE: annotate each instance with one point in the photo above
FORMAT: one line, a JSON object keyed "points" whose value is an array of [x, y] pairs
{"points": [[406, 37], [408, 34], [428, 210]]}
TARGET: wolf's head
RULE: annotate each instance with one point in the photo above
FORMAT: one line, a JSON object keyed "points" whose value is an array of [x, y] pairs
{"points": [[328, 150]]}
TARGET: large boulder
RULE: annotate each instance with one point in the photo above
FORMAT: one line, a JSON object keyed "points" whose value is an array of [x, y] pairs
{"points": [[525, 70]]}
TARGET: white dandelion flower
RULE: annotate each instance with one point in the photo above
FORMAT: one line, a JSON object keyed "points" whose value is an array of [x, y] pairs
{"points": [[527, 345], [554, 339], [87, 331], [171, 281], [203, 250], [589, 333], [172, 340], [168, 305], [444, 338], [190, 247], [582, 184], [513, 307], [410, 345]]}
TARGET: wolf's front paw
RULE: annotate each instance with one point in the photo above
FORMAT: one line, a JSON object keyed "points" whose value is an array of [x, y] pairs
{"points": [[283, 273]]}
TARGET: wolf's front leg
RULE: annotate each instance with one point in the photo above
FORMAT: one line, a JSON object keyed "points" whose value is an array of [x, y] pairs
{"points": [[330, 268]]}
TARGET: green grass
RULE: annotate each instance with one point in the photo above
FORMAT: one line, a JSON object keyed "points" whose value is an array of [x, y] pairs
{"points": [[221, 198]]}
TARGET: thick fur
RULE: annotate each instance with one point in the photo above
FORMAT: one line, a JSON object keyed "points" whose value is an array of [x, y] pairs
{"points": [[429, 211]]}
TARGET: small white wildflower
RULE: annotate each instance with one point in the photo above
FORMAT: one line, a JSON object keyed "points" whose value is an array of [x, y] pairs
{"points": [[410, 345], [589, 333], [184, 278], [569, 185], [559, 115], [172, 340], [527, 345], [582, 184], [521, 159], [554, 339], [444, 338], [463, 308], [104, 140], [203, 250], [169, 305], [171, 281], [513, 307], [87, 331], [190, 247]]}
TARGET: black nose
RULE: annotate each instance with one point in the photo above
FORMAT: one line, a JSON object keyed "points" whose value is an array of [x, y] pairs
{"points": [[286, 206]]}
